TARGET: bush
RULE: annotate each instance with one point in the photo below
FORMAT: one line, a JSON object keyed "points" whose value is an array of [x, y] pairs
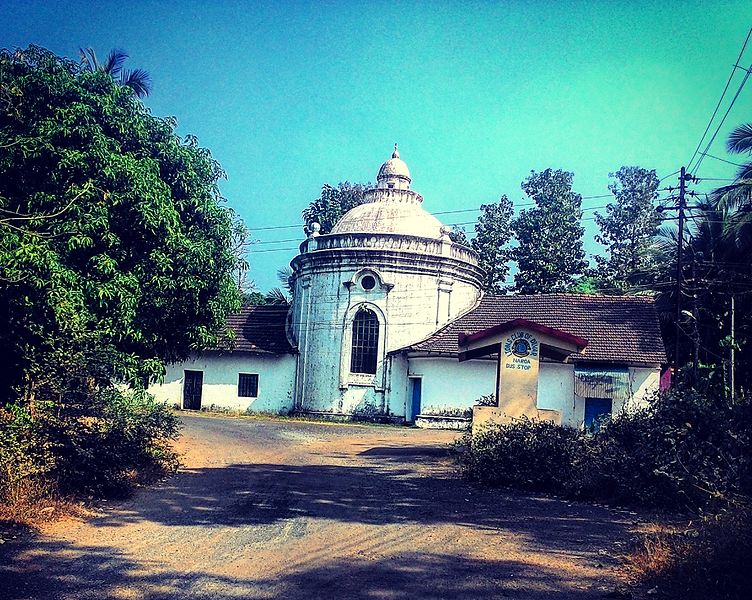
{"points": [[527, 454], [709, 559], [91, 449], [686, 450]]}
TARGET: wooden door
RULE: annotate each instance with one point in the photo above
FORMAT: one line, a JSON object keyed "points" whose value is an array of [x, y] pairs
{"points": [[193, 381]]}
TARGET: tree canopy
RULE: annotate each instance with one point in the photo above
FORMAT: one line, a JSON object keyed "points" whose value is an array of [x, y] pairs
{"points": [[628, 228], [333, 203], [550, 252], [492, 234], [115, 247]]}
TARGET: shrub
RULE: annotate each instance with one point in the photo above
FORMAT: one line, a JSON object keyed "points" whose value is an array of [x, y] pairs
{"points": [[528, 454], [91, 449], [710, 559], [686, 450]]}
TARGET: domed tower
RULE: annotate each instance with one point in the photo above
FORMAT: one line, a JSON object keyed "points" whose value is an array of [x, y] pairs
{"points": [[385, 277]]}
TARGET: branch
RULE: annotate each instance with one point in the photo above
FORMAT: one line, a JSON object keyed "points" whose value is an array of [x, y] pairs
{"points": [[26, 217]]}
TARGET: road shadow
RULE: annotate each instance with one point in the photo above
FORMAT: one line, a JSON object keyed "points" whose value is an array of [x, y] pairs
{"points": [[57, 570], [375, 494]]}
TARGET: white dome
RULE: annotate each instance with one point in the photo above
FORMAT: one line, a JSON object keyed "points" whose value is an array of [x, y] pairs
{"points": [[393, 170], [403, 218]]}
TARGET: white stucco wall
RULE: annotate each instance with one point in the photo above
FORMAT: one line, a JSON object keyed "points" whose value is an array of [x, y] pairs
{"points": [[451, 386], [220, 385], [645, 383], [556, 390], [409, 300]]}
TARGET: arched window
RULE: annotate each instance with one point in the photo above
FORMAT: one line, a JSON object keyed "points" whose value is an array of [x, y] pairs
{"points": [[365, 342]]}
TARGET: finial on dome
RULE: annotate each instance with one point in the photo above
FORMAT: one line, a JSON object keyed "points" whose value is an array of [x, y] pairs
{"points": [[395, 154]]}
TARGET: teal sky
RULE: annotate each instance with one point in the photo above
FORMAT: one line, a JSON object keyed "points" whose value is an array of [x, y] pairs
{"points": [[290, 95]]}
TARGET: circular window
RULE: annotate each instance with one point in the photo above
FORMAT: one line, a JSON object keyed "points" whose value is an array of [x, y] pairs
{"points": [[368, 282]]}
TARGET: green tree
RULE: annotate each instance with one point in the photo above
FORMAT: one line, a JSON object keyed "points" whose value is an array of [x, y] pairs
{"points": [[549, 254], [491, 241], [458, 236], [137, 80], [115, 248], [333, 203], [627, 229], [735, 200]]}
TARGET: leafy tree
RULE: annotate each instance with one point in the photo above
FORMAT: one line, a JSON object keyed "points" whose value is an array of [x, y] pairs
{"points": [[253, 298], [492, 234], [284, 294], [627, 229], [115, 249], [550, 251], [333, 203], [458, 235], [137, 80], [735, 200]]}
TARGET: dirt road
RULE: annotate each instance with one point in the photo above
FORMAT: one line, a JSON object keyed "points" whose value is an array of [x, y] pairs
{"points": [[272, 509]]}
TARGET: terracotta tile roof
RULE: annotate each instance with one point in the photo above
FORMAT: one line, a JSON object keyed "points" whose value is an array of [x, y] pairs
{"points": [[259, 329], [619, 329]]}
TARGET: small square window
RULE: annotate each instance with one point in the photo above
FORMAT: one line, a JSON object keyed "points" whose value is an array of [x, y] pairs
{"points": [[248, 385]]}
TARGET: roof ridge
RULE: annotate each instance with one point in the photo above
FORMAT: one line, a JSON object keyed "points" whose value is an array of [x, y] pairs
{"points": [[575, 295]]}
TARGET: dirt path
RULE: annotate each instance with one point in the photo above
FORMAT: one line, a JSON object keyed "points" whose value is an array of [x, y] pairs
{"points": [[270, 509]]}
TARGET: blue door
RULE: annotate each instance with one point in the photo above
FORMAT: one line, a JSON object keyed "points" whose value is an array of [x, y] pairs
{"points": [[596, 409], [416, 384]]}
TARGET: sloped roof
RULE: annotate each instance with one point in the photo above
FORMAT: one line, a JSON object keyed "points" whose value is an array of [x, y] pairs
{"points": [[259, 329], [619, 329]]}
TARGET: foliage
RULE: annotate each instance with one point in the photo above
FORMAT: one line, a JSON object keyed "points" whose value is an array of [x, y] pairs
{"points": [[550, 250], [492, 234], [707, 559], [458, 235], [486, 400], [627, 229], [716, 269], [115, 249], [332, 204], [527, 454], [253, 298], [284, 294], [90, 445], [685, 450], [137, 80]]}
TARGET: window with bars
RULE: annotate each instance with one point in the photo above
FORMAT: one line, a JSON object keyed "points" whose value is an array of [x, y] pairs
{"points": [[248, 385], [365, 342]]}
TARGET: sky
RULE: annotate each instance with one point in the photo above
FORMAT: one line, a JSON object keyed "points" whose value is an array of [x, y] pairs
{"points": [[291, 95]]}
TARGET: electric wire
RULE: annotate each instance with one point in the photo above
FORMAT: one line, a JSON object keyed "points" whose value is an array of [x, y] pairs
{"points": [[720, 100]]}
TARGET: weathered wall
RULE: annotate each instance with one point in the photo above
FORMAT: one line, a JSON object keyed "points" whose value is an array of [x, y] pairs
{"points": [[275, 389], [414, 295], [450, 387], [644, 382], [556, 390]]}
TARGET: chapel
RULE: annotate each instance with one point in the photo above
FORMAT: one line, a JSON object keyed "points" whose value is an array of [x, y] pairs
{"points": [[381, 307]]}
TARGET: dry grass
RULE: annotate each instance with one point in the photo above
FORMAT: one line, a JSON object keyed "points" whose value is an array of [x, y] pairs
{"points": [[31, 505], [708, 558]]}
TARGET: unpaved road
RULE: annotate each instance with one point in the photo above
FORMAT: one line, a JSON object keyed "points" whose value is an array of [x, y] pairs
{"points": [[272, 509]]}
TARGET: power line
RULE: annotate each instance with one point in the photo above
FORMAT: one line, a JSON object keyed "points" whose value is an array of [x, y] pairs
{"points": [[728, 110], [720, 100], [722, 159]]}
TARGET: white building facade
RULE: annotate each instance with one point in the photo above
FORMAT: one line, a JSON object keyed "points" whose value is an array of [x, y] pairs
{"points": [[372, 331]]}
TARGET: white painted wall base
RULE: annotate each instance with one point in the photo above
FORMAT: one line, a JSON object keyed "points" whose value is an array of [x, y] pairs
{"points": [[220, 387]]}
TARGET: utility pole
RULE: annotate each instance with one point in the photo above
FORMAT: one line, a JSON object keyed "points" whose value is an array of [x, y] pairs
{"points": [[679, 266]]}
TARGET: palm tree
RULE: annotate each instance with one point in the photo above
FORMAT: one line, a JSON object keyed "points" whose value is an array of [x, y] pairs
{"points": [[283, 295], [137, 79], [736, 199]]}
